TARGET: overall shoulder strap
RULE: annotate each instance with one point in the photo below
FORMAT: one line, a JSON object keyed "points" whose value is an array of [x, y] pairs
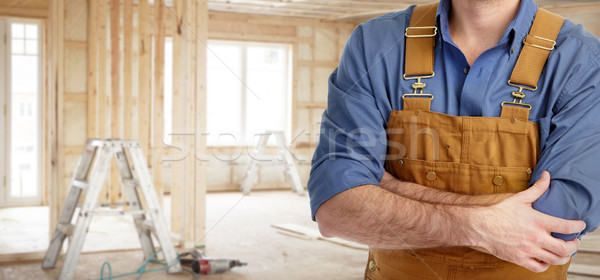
{"points": [[537, 46], [420, 41], [419, 54]]}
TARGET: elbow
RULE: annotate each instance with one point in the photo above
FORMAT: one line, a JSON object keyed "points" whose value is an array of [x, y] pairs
{"points": [[327, 220]]}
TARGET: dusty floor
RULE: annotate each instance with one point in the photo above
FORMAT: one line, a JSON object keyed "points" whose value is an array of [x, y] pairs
{"points": [[238, 227]]}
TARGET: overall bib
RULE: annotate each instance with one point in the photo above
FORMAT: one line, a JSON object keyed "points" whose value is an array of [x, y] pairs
{"points": [[467, 155]]}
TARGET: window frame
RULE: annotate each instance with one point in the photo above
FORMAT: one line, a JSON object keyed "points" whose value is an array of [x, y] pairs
{"points": [[6, 199]]}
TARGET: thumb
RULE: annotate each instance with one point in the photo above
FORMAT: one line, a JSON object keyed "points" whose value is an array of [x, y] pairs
{"points": [[538, 189]]}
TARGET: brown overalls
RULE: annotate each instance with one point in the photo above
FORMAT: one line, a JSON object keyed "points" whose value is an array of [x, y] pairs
{"points": [[467, 155]]}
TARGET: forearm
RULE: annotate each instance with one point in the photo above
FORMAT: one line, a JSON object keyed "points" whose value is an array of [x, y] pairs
{"points": [[431, 195], [380, 219]]}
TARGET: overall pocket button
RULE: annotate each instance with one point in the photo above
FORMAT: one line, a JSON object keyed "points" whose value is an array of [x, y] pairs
{"points": [[431, 176], [498, 180]]}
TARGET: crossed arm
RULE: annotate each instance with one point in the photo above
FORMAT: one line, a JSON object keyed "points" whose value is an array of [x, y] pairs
{"points": [[401, 215]]}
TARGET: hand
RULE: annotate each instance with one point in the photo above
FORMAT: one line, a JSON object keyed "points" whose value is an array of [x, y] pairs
{"points": [[513, 231]]}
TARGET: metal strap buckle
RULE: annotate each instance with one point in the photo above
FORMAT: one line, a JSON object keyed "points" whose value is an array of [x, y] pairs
{"points": [[418, 86], [525, 41], [433, 28], [518, 96]]}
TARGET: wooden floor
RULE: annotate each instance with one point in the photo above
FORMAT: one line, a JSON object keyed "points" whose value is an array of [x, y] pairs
{"points": [[238, 227]]}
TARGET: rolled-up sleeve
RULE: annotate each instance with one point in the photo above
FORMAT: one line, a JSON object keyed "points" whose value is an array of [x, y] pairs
{"points": [[352, 141], [571, 152]]}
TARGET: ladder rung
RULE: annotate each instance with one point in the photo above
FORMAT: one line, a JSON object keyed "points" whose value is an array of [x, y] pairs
{"points": [[116, 204], [80, 184], [118, 213], [131, 182], [66, 228]]}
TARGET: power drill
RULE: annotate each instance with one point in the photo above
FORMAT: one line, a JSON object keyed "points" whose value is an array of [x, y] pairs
{"points": [[202, 265]]}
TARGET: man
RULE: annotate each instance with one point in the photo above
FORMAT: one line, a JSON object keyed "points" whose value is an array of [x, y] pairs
{"points": [[462, 143]]}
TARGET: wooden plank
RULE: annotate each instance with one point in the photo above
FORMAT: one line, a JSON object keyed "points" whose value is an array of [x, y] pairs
{"points": [[255, 37], [72, 150], [76, 45], [92, 64], [177, 139], [311, 234], [158, 121], [55, 110], [200, 183], [115, 120], [128, 69], [584, 269], [23, 12], [103, 99], [189, 168], [326, 64], [144, 78], [312, 105], [75, 97]]}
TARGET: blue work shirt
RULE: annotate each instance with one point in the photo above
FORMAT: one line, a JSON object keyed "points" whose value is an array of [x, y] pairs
{"points": [[368, 85]]}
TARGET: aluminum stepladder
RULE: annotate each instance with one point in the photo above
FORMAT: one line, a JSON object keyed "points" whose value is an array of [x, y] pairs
{"points": [[133, 177], [251, 176]]}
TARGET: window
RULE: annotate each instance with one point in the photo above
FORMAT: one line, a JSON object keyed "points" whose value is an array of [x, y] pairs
{"points": [[247, 91], [20, 61]]}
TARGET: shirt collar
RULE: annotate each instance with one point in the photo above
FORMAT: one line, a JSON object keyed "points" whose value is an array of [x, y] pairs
{"points": [[514, 34]]}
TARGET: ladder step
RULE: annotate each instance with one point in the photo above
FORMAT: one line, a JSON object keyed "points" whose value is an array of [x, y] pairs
{"points": [[116, 204], [66, 228], [131, 182], [118, 213], [80, 184]]}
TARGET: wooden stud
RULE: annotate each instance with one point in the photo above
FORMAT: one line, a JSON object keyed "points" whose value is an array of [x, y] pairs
{"points": [[115, 120], [92, 71], [189, 91], [177, 137], [103, 99], [127, 69], [55, 110], [200, 184], [145, 89], [158, 121]]}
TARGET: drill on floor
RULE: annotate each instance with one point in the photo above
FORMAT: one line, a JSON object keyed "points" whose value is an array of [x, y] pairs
{"points": [[202, 265]]}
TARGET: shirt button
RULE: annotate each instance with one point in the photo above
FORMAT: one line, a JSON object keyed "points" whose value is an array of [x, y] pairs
{"points": [[498, 180], [466, 70], [401, 162], [372, 265], [431, 176]]}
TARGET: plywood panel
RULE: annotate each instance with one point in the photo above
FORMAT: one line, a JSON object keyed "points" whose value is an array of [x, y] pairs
{"points": [[305, 31], [304, 126], [76, 12], [75, 123], [304, 84], [321, 76], [326, 44], [76, 70], [305, 51]]}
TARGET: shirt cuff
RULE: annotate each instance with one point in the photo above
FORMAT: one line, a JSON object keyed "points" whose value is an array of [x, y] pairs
{"points": [[333, 176]]}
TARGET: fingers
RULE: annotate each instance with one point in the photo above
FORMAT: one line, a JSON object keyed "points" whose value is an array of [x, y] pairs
{"points": [[535, 265], [551, 258], [558, 225], [560, 247], [538, 189]]}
